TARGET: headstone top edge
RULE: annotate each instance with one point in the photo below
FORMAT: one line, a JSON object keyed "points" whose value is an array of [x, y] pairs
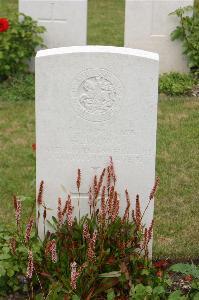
{"points": [[98, 49]]}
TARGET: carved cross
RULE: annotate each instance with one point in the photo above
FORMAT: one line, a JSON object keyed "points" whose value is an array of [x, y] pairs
{"points": [[52, 19]]}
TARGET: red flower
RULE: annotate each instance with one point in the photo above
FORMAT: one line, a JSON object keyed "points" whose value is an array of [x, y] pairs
{"points": [[161, 264], [34, 147], [188, 278], [159, 274], [110, 260], [4, 24]]}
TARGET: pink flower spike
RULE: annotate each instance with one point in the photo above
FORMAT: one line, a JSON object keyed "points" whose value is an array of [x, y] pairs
{"points": [[29, 229], [78, 182], [52, 250], [59, 212], [112, 170], [69, 212], [91, 247], [154, 189], [86, 234], [74, 275], [18, 211], [30, 267], [90, 198]]}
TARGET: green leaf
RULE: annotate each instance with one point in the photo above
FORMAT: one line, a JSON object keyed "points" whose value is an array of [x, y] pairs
{"points": [[168, 281], [2, 271], [75, 297], [51, 225], [158, 290], [145, 272], [140, 292], [4, 256], [10, 272], [5, 250], [22, 249], [176, 296], [54, 220], [195, 285], [196, 296], [110, 294]]}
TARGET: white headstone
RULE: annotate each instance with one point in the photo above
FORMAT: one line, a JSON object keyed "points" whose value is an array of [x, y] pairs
{"points": [[148, 26], [93, 102], [64, 20]]}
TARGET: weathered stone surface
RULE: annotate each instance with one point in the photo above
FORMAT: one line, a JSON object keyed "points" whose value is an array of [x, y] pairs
{"points": [[148, 26], [93, 102], [65, 20]]}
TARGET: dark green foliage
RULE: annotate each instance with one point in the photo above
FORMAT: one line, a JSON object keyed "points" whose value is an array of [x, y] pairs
{"points": [[18, 45], [13, 265], [127, 274], [186, 269], [18, 88], [188, 33], [176, 84]]}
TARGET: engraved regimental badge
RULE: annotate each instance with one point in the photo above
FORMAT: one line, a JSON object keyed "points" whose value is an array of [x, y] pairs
{"points": [[96, 94]]}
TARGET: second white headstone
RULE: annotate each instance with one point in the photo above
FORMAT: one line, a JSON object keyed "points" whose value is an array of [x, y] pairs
{"points": [[148, 26], [65, 20]]}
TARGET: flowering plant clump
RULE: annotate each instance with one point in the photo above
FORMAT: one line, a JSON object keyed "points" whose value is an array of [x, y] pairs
{"points": [[102, 255], [188, 33], [18, 42]]}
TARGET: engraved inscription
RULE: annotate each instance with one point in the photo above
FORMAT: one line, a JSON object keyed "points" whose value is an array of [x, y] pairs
{"points": [[96, 94]]}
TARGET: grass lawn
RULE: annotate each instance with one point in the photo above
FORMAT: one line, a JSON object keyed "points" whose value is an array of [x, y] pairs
{"points": [[177, 207], [8, 7]]}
